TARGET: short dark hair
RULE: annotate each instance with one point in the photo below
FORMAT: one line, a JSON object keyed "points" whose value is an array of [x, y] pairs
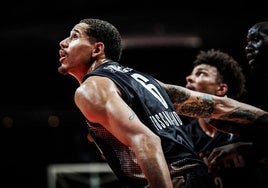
{"points": [[105, 32], [229, 69]]}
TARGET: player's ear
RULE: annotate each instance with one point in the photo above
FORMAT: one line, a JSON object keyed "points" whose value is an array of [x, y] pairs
{"points": [[98, 48], [222, 89]]}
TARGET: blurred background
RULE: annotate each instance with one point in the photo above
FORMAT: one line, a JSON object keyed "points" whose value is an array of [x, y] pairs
{"points": [[40, 125]]}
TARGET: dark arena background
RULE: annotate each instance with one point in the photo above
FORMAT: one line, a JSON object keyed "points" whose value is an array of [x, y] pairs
{"points": [[42, 134]]}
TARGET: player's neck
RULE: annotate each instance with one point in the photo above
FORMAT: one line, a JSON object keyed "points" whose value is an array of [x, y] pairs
{"points": [[207, 128], [97, 63]]}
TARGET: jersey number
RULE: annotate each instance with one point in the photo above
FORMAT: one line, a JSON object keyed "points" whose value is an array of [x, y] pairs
{"points": [[150, 87]]}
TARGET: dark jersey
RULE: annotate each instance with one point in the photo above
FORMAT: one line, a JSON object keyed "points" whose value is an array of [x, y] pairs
{"points": [[241, 169], [204, 143], [153, 107]]}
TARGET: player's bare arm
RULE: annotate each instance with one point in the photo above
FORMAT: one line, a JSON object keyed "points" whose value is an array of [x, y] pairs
{"points": [[99, 100], [197, 104]]}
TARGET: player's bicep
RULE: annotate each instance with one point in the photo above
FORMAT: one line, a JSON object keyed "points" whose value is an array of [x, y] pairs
{"points": [[123, 123]]}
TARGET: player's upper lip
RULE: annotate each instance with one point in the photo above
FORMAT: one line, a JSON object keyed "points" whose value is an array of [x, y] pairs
{"points": [[62, 53], [189, 86]]}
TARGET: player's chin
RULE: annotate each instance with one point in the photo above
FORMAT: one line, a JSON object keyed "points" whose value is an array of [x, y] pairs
{"points": [[251, 62], [62, 70]]}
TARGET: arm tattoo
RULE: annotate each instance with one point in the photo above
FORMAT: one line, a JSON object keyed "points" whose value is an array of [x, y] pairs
{"points": [[132, 115], [202, 107], [240, 114], [258, 127], [177, 95]]}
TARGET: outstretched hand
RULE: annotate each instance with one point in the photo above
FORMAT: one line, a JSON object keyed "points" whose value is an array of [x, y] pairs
{"points": [[226, 152]]}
